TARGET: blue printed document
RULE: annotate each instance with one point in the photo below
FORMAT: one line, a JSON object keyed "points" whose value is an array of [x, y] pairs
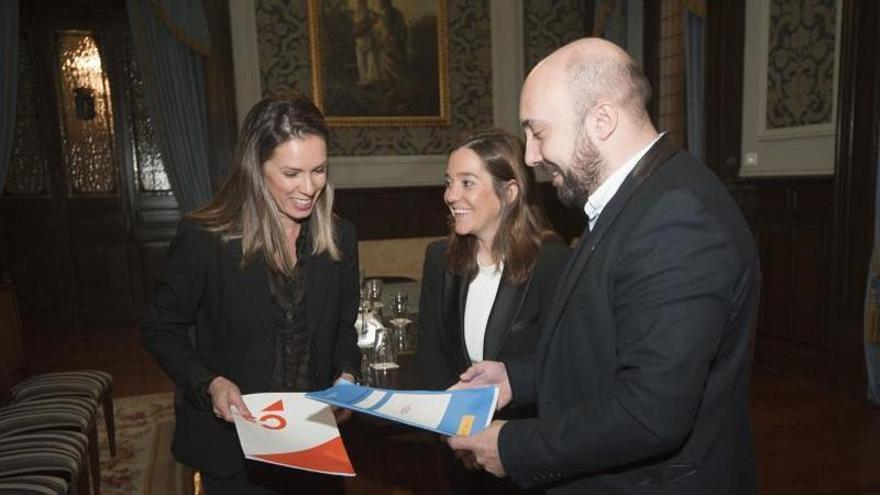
{"points": [[449, 412]]}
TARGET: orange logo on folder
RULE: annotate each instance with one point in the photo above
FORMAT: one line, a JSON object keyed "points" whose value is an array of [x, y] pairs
{"points": [[293, 431], [274, 421]]}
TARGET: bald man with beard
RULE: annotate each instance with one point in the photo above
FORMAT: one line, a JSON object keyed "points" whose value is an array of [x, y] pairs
{"points": [[641, 374]]}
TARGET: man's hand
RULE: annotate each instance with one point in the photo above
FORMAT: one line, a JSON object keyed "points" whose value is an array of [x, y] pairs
{"points": [[225, 394], [483, 447], [467, 459], [487, 373]]}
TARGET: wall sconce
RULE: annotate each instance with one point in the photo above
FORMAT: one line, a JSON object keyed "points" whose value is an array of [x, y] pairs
{"points": [[84, 103]]}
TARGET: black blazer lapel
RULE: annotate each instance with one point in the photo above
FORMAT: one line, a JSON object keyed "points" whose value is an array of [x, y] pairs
{"points": [[454, 298], [659, 154], [506, 307]]}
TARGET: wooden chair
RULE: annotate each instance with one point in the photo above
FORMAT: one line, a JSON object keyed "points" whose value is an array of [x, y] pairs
{"points": [[33, 485], [29, 461], [94, 384], [55, 416]]}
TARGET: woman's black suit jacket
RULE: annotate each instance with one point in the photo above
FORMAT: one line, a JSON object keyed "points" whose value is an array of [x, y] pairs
{"points": [[210, 316], [514, 324]]}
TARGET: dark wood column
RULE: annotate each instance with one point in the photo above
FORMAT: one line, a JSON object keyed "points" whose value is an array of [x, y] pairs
{"points": [[725, 25], [856, 156], [219, 90]]}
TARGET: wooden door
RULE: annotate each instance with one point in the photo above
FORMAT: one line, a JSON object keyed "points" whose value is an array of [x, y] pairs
{"points": [[67, 237]]}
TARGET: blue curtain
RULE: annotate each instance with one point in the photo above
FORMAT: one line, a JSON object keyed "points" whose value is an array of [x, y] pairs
{"points": [[8, 83], [170, 38], [872, 305], [694, 44]]}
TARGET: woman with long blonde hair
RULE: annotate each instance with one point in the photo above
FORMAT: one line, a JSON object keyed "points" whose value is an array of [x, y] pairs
{"points": [[260, 295]]}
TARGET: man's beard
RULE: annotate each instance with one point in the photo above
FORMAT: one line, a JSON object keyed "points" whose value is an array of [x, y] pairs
{"points": [[582, 177]]}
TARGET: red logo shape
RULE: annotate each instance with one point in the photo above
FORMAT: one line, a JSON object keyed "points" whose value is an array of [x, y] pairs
{"points": [[275, 406], [274, 421], [277, 422]]}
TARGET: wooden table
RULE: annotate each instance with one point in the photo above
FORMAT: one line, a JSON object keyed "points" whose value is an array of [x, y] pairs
{"points": [[391, 458]]}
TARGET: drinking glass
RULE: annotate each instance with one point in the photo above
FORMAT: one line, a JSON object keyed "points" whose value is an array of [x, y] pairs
{"points": [[384, 362], [374, 293], [366, 367], [400, 320]]}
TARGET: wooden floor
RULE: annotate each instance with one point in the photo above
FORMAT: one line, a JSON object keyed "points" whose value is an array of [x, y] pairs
{"points": [[807, 440]]}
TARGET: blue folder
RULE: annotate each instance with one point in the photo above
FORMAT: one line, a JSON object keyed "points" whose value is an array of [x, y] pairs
{"points": [[448, 412]]}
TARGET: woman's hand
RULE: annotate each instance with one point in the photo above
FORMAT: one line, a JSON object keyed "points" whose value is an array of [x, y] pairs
{"points": [[487, 373], [348, 377], [342, 414], [225, 394]]}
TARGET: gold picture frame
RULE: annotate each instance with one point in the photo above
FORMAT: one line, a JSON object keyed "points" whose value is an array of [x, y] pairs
{"points": [[390, 62]]}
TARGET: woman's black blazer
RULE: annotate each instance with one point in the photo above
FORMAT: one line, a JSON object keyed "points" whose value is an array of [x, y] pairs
{"points": [[514, 323], [212, 316]]}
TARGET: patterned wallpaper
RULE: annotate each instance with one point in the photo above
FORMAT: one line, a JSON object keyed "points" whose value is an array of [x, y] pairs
{"points": [[283, 44], [800, 62], [549, 24]]}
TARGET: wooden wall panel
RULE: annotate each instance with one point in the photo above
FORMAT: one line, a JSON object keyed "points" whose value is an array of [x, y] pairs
{"points": [[791, 219], [40, 272], [393, 212], [385, 213], [814, 234], [809, 284], [105, 282]]}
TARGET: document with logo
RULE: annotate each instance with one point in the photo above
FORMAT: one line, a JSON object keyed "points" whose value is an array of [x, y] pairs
{"points": [[450, 412], [291, 430]]}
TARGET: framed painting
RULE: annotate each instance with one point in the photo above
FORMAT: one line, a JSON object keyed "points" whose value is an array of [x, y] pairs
{"points": [[380, 62]]}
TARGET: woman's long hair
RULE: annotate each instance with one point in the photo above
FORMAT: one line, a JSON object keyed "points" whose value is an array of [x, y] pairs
{"points": [[244, 207], [523, 225]]}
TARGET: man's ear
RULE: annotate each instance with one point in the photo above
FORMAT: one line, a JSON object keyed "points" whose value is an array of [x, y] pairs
{"points": [[604, 119]]}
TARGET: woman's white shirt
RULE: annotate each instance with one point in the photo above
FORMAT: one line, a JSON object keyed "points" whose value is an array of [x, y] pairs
{"points": [[480, 298]]}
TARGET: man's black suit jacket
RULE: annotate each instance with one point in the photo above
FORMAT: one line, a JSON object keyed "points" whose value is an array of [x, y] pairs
{"points": [[514, 322], [212, 316], [641, 377]]}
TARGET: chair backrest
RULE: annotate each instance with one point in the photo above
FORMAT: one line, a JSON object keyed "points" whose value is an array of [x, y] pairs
{"points": [[394, 257], [12, 363]]}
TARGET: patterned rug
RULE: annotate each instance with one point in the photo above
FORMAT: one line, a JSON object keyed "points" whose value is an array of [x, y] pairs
{"points": [[143, 464]]}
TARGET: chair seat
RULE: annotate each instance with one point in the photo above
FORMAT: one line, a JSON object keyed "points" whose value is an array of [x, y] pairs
{"points": [[43, 415], [102, 376], [95, 384], [70, 414], [45, 439], [52, 459], [86, 403], [33, 485], [46, 461]]}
